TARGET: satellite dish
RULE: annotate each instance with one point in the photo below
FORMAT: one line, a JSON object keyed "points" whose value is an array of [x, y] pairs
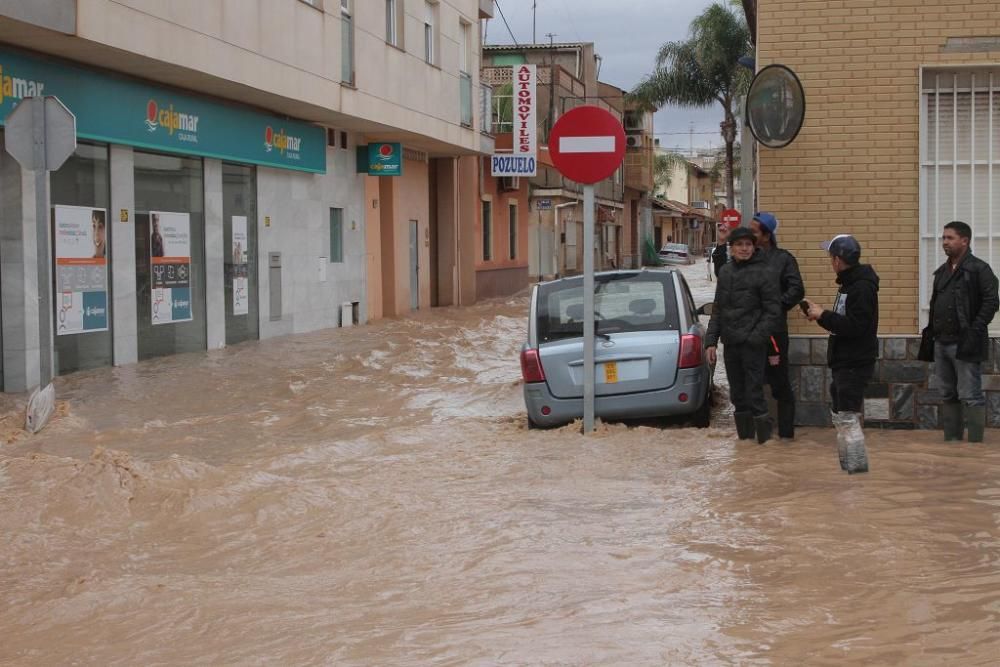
{"points": [[776, 106]]}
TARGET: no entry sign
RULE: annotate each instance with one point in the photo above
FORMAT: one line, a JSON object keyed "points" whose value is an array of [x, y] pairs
{"points": [[587, 144], [731, 218]]}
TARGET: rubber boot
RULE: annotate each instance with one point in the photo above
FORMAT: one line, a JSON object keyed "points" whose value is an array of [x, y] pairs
{"points": [[762, 425], [744, 425], [839, 424], [854, 436], [786, 419], [975, 422], [951, 419]]}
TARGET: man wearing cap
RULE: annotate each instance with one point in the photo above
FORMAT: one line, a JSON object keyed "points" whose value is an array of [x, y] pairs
{"points": [[963, 304], [747, 304], [853, 346], [785, 270], [721, 253]]}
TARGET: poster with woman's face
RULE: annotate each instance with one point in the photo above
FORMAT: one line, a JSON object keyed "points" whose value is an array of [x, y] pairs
{"points": [[170, 262], [81, 284]]}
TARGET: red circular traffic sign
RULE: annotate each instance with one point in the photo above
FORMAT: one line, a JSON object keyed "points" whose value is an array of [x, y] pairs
{"points": [[731, 218], [587, 144]]}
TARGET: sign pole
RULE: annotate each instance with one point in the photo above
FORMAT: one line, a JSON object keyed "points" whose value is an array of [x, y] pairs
{"points": [[45, 342], [588, 309]]}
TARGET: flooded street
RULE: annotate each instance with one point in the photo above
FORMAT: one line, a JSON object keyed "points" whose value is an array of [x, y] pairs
{"points": [[372, 496]]}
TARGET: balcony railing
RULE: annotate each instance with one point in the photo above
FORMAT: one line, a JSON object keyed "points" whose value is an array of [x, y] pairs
{"points": [[485, 109], [465, 95]]}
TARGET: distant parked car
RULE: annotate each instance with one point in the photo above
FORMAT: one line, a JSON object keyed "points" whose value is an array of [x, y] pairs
{"points": [[674, 253], [648, 349]]}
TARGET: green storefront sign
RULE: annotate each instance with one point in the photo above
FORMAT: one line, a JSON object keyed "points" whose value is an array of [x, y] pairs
{"points": [[122, 111], [382, 159]]}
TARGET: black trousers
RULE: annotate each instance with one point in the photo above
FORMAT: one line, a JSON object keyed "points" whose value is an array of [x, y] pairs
{"points": [[847, 391], [778, 376], [745, 371]]}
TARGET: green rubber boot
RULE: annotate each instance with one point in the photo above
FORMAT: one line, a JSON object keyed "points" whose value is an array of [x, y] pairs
{"points": [[975, 422], [951, 419]]}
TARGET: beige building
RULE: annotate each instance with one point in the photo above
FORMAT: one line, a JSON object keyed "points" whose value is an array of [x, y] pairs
{"points": [[900, 137], [257, 133]]}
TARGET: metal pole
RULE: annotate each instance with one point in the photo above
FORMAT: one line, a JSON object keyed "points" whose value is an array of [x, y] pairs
{"points": [[588, 309], [747, 143], [42, 240]]}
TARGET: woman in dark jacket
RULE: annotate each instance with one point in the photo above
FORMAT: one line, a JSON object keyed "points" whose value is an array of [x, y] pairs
{"points": [[747, 306]]}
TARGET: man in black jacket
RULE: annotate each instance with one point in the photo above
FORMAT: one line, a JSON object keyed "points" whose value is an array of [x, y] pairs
{"points": [[963, 304], [786, 273], [747, 304], [853, 346]]}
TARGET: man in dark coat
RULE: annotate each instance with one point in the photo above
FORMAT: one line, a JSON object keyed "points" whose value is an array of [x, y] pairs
{"points": [[852, 349], [747, 304], [786, 273], [963, 304]]}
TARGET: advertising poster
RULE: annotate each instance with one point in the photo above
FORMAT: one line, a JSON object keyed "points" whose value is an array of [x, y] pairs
{"points": [[241, 300], [170, 254], [81, 299]]}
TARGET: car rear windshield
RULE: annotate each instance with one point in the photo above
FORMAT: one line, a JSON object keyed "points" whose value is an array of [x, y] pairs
{"points": [[641, 301]]}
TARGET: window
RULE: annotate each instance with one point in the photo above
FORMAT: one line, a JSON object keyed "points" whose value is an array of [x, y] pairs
{"points": [[392, 22], [512, 230], [959, 166], [346, 43], [336, 235], [487, 231], [430, 32], [464, 78]]}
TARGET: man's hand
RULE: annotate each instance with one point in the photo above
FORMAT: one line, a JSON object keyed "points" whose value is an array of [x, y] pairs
{"points": [[711, 355], [814, 311]]}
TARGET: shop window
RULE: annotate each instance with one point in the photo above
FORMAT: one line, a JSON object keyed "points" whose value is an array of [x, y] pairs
{"points": [[336, 235], [239, 231], [487, 231], [82, 274], [959, 166], [169, 254]]}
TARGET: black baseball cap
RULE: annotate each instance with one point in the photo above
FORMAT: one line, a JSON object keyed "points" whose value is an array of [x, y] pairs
{"points": [[844, 246]]}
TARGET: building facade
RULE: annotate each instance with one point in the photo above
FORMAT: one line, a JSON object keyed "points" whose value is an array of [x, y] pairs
{"points": [[901, 136], [225, 186]]}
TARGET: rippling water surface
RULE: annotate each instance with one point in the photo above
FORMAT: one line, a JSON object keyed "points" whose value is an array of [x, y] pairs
{"points": [[372, 497]]}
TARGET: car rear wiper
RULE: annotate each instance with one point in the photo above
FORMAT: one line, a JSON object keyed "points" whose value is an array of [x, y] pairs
{"points": [[603, 335]]}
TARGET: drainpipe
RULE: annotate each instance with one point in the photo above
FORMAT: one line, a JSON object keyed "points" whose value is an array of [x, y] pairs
{"points": [[557, 235]]}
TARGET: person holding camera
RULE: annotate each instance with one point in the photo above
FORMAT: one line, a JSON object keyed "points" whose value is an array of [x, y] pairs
{"points": [[785, 270], [853, 345]]}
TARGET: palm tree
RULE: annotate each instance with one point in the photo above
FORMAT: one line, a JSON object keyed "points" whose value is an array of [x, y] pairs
{"points": [[664, 165], [703, 70]]}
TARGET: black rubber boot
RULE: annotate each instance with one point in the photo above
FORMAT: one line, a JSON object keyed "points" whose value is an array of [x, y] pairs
{"points": [[786, 419], [975, 422], [951, 419], [744, 425], [762, 425]]}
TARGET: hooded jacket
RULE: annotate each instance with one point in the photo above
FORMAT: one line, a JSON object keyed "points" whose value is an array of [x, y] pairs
{"points": [[747, 304], [976, 303], [853, 322]]}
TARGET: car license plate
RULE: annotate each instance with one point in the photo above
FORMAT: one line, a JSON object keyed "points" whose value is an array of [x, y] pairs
{"points": [[610, 372]]}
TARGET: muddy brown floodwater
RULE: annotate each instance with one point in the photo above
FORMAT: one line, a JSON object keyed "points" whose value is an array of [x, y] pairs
{"points": [[371, 497]]}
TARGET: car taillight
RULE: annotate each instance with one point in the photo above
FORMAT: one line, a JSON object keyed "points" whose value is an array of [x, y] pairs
{"points": [[531, 366], [691, 351]]}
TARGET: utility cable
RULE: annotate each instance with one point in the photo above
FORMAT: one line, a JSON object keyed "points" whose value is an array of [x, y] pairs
{"points": [[507, 24]]}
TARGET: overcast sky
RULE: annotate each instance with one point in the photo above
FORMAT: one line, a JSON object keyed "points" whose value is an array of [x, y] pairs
{"points": [[627, 35]]}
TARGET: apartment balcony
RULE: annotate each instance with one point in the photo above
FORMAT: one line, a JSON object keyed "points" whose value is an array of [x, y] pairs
{"points": [[639, 163], [485, 9]]}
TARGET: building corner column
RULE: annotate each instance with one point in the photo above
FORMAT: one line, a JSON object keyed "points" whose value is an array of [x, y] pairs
{"points": [[215, 266], [125, 327]]}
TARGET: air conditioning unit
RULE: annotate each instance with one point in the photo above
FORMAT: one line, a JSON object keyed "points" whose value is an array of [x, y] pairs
{"points": [[509, 183], [700, 204], [633, 141]]}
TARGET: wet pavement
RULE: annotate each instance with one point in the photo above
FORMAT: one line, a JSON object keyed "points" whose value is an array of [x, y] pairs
{"points": [[371, 496]]}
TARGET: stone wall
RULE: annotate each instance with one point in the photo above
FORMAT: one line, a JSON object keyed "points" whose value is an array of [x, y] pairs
{"points": [[899, 395]]}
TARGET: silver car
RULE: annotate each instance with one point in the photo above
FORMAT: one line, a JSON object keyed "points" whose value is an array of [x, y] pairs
{"points": [[648, 349]]}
